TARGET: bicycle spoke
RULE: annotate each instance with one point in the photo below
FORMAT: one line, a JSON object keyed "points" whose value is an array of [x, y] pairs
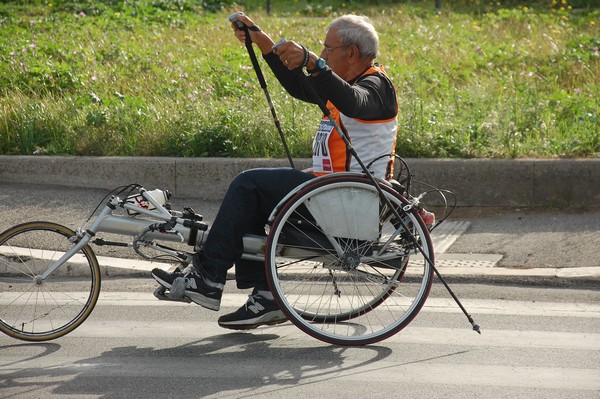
{"points": [[34, 309], [355, 294]]}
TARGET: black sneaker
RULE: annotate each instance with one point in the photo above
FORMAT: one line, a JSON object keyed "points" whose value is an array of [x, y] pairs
{"points": [[258, 311], [194, 285]]}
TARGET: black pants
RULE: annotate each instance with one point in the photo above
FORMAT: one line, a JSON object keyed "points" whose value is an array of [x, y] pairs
{"points": [[249, 200]]}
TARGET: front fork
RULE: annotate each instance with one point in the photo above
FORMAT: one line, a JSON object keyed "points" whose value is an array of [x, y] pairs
{"points": [[81, 239]]}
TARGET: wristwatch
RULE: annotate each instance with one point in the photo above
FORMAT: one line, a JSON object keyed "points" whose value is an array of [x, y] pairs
{"points": [[319, 66]]}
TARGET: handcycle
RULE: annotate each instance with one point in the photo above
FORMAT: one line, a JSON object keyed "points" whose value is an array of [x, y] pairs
{"points": [[348, 257], [336, 254]]}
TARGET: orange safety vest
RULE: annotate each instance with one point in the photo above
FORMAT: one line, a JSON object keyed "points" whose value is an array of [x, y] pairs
{"points": [[370, 139]]}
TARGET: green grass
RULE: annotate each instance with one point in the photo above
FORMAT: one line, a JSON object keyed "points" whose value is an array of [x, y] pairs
{"points": [[167, 78]]}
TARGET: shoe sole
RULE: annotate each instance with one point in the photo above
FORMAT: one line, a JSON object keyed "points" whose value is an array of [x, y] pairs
{"points": [[257, 322], [204, 301], [162, 282]]}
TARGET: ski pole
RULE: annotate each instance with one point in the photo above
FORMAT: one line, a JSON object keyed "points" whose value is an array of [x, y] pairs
{"points": [[327, 114], [261, 79]]}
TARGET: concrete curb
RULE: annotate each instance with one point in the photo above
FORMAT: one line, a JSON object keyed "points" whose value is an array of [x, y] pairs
{"points": [[475, 182]]}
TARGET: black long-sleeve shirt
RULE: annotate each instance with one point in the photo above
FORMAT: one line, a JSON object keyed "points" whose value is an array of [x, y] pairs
{"points": [[371, 97]]}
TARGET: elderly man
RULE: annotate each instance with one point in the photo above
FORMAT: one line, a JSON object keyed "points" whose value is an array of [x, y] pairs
{"points": [[360, 98]]}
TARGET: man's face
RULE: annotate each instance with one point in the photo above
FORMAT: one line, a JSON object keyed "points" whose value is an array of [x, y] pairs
{"points": [[335, 53]]}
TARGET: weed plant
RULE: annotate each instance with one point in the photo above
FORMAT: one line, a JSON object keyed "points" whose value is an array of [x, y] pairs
{"points": [[167, 78]]}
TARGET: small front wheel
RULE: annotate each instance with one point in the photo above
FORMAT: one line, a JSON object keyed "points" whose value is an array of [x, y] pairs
{"points": [[33, 308]]}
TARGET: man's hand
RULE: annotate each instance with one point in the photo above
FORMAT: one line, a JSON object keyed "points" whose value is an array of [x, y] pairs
{"points": [[240, 33], [257, 36], [292, 54]]}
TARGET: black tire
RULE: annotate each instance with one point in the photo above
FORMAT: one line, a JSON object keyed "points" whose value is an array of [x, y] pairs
{"points": [[36, 309], [363, 291]]}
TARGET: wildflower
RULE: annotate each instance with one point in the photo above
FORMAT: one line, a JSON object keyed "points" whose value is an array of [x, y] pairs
{"points": [[94, 78], [95, 98], [577, 90], [246, 68], [487, 126]]}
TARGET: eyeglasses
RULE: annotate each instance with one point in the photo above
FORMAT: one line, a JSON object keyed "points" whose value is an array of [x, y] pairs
{"points": [[328, 49]]}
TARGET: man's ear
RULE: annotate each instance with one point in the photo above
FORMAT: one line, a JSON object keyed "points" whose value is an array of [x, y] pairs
{"points": [[354, 53]]}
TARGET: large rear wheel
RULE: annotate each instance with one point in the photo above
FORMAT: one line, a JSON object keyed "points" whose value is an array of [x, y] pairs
{"points": [[337, 260]]}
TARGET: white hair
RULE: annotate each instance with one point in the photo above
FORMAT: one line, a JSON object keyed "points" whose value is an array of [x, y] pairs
{"points": [[358, 30]]}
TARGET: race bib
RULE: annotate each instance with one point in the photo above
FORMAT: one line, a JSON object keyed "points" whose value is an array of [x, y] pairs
{"points": [[321, 154]]}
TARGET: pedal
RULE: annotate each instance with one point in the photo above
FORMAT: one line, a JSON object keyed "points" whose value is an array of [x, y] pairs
{"points": [[163, 294]]}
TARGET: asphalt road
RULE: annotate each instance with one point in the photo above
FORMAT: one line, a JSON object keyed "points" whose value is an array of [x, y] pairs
{"points": [[539, 335], [535, 343]]}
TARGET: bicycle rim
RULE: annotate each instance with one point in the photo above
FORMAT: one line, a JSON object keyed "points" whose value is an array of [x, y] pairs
{"points": [[36, 309], [361, 288]]}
